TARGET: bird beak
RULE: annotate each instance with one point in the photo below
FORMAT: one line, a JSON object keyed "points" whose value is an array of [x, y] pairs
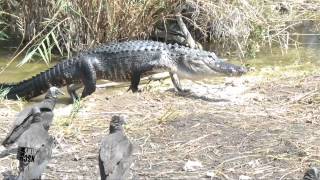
{"points": [[124, 118], [125, 121]]}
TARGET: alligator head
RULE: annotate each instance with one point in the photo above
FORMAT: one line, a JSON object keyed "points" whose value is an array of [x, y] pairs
{"points": [[196, 65]]}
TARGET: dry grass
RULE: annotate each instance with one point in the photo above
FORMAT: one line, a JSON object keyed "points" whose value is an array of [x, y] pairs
{"points": [[84, 23], [245, 26], [271, 135]]}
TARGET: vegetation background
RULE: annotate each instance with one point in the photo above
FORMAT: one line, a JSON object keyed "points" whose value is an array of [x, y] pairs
{"points": [[45, 27], [261, 126]]}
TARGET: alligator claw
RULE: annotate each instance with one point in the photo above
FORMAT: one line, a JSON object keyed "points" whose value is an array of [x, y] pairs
{"points": [[134, 90], [184, 92]]}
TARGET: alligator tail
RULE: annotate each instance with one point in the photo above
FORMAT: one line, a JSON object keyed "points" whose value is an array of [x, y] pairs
{"points": [[59, 75]]}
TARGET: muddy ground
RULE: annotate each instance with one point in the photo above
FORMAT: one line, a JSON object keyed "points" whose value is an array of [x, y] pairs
{"points": [[239, 128]]}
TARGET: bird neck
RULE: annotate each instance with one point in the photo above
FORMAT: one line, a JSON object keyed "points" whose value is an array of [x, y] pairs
{"points": [[115, 128], [50, 96], [37, 118], [51, 101]]}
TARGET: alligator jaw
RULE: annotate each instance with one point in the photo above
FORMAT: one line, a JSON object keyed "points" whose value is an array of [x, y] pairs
{"points": [[228, 69], [206, 66]]}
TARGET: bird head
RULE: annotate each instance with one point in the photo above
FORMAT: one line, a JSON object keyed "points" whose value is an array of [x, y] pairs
{"points": [[54, 92], [117, 122]]}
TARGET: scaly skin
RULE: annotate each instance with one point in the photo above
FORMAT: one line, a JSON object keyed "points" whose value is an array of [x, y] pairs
{"points": [[124, 61]]}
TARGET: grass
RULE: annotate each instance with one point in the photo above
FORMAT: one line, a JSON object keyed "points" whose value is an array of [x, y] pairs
{"points": [[3, 93], [3, 26], [170, 115], [67, 26], [76, 106]]}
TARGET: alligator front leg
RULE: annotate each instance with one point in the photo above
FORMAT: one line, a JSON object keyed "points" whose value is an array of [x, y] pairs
{"points": [[176, 82], [72, 88]]}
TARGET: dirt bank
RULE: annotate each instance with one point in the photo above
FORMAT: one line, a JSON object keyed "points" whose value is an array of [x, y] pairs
{"points": [[244, 127]]}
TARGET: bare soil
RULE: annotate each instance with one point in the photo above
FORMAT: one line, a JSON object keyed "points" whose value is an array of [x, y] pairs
{"points": [[240, 128]]}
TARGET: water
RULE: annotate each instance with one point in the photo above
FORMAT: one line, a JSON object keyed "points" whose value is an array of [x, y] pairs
{"points": [[15, 74], [302, 56]]}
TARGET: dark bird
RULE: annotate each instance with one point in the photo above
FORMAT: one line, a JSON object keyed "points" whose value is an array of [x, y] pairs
{"points": [[26, 117], [312, 174], [32, 168], [30, 132], [115, 152]]}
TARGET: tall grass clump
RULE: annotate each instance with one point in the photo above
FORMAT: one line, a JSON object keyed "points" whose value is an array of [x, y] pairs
{"points": [[76, 106], [66, 26], [243, 26], [3, 93], [3, 24]]}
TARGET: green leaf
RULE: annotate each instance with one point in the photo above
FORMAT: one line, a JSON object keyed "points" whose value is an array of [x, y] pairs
{"points": [[27, 58], [46, 53], [43, 56], [56, 42], [3, 36]]}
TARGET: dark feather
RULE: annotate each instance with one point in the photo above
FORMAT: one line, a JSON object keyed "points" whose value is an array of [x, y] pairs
{"points": [[115, 152], [312, 174], [27, 116]]}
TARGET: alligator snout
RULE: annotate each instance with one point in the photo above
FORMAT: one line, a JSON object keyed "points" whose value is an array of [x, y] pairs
{"points": [[238, 70], [229, 69]]}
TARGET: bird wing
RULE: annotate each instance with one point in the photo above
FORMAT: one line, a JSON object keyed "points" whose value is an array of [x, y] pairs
{"points": [[23, 115], [23, 121], [312, 174], [34, 136], [124, 149], [105, 154], [21, 124], [34, 169], [26, 112], [114, 153]]}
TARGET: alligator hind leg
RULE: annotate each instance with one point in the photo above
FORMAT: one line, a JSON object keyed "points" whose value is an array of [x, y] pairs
{"points": [[72, 88], [135, 80], [88, 76], [176, 82]]}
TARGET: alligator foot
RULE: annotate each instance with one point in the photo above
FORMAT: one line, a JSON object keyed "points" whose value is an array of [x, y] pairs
{"points": [[72, 88], [134, 90], [135, 80], [176, 82], [184, 92]]}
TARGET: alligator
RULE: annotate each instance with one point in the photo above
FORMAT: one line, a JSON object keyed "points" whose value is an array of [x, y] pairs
{"points": [[121, 62]]}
